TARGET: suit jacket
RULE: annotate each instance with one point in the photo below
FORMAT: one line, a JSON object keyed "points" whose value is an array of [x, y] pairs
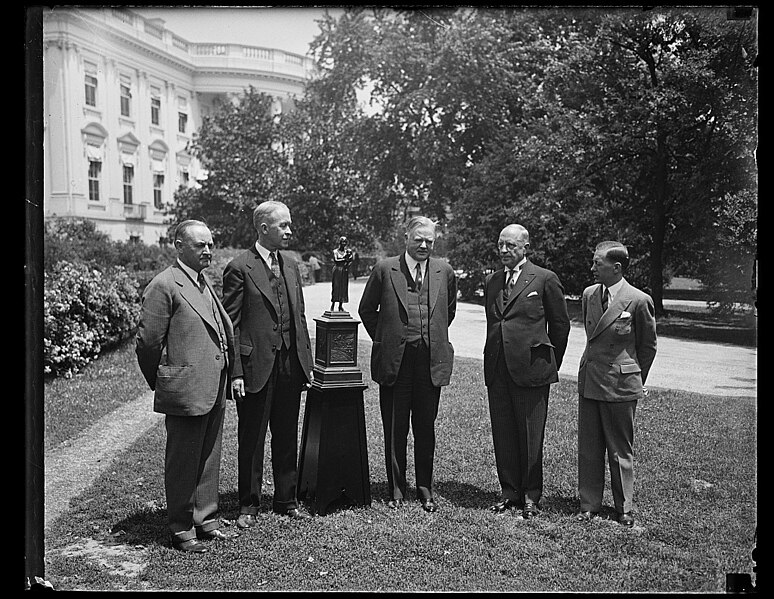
{"points": [[252, 305], [620, 344], [178, 344], [384, 312], [531, 328]]}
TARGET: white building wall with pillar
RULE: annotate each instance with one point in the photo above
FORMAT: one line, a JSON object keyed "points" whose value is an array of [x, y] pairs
{"points": [[108, 75]]}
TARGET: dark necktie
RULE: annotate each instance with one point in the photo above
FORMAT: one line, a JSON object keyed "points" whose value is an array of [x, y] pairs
{"points": [[275, 269], [418, 278], [200, 281], [605, 299], [509, 283]]}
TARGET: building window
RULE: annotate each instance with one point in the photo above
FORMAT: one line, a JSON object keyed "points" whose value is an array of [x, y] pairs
{"points": [[184, 178], [126, 100], [95, 168], [158, 188], [155, 105], [91, 90], [128, 183], [182, 121]]}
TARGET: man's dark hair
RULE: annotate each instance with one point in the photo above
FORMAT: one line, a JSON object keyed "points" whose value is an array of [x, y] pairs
{"points": [[615, 251], [180, 230]]}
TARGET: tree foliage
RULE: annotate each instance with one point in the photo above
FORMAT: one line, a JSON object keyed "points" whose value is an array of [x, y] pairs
{"points": [[582, 124]]}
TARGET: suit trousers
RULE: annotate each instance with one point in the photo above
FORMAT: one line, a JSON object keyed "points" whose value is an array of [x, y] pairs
{"points": [[414, 399], [276, 407], [518, 416], [192, 469], [606, 426]]}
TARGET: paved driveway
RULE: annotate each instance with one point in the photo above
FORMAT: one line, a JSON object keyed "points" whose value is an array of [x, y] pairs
{"points": [[703, 367]]}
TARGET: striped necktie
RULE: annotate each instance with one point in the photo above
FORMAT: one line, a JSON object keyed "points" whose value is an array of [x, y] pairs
{"points": [[605, 299], [418, 278], [510, 283]]}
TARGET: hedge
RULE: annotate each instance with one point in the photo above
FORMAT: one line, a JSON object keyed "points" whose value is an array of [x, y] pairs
{"points": [[85, 310]]}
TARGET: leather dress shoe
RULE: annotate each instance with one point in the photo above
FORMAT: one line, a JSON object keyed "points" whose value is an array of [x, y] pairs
{"points": [[214, 535], [429, 505], [504, 506], [585, 516], [626, 519], [246, 521], [394, 504], [189, 546], [296, 514], [530, 510]]}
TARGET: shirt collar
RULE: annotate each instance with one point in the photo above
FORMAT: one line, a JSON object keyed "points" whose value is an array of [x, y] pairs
{"points": [[614, 289], [412, 264], [264, 253], [192, 274], [518, 267]]}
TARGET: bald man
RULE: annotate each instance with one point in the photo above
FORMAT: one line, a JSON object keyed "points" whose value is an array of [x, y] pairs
{"points": [[527, 329]]}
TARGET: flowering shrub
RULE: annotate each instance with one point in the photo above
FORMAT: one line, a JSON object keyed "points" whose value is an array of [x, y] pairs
{"points": [[84, 310]]}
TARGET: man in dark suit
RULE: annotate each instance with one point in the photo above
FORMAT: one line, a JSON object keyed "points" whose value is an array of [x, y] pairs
{"points": [[620, 348], [262, 294], [527, 329], [408, 303], [184, 346]]}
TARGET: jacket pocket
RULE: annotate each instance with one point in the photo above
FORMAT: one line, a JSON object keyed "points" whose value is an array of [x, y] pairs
{"points": [[245, 350], [172, 372], [629, 368]]}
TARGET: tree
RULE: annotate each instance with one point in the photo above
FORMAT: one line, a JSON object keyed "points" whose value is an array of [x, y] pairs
{"points": [[238, 145]]}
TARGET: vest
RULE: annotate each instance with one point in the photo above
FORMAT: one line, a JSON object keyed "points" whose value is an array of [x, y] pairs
{"points": [[279, 287], [418, 309]]}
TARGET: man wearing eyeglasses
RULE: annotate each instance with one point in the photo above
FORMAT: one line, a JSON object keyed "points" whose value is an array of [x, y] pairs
{"points": [[527, 329]]}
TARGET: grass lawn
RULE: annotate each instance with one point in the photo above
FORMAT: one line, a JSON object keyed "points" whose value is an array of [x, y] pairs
{"points": [[695, 456]]}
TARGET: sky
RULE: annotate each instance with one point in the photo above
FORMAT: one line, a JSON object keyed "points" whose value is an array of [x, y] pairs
{"points": [[285, 28]]}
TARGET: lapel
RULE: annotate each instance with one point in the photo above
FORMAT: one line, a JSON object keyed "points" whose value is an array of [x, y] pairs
{"points": [[193, 296], [257, 272], [433, 278], [289, 273], [525, 278], [224, 317], [496, 285], [399, 282], [614, 310]]}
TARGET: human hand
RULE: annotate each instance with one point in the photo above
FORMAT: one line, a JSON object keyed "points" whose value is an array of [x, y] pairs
{"points": [[238, 388], [308, 384]]}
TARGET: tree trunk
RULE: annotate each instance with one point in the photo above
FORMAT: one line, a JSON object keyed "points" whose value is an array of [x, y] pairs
{"points": [[658, 233]]}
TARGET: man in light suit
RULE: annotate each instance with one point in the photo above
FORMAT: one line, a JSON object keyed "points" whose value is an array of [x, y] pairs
{"points": [[620, 349], [185, 346], [527, 330], [408, 303], [262, 294]]}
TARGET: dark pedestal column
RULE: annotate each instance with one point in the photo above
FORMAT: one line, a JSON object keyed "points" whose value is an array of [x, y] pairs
{"points": [[333, 462]]}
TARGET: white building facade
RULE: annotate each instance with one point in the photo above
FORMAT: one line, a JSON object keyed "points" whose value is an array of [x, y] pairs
{"points": [[123, 97]]}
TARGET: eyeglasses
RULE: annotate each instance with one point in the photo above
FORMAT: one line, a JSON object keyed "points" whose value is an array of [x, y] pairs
{"points": [[508, 245]]}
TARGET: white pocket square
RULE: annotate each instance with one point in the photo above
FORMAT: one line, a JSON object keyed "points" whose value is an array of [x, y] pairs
{"points": [[625, 314], [532, 293]]}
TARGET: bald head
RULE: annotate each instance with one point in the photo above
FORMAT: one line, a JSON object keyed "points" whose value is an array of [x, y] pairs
{"points": [[513, 244]]}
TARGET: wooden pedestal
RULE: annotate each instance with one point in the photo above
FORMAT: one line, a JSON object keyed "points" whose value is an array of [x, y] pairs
{"points": [[333, 462]]}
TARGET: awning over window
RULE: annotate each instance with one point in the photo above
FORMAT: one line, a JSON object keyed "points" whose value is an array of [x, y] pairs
{"points": [[158, 166], [127, 159], [94, 153]]}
